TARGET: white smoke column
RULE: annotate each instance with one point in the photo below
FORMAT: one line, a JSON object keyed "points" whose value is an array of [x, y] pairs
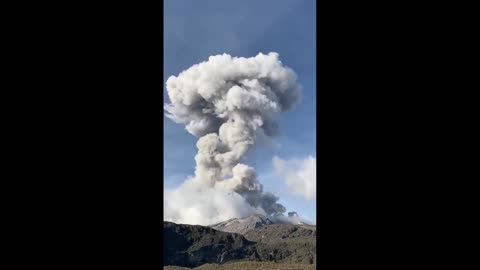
{"points": [[228, 102]]}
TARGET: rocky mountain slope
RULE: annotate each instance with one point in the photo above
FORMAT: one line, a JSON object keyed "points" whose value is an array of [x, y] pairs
{"points": [[280, 231], [255, 222], [191, 246], [255, 238], [243, 225], [248, 266]]}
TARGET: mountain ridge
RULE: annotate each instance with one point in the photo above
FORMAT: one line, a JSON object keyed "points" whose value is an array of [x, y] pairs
{"points": [[254, 238], [252, 222]]}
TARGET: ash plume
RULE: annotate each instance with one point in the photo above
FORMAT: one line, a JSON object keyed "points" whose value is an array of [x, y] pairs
{"points": [[228, 103]]}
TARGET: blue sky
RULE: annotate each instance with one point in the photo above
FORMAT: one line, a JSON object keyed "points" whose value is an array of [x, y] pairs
{"points": [[195, 30]]}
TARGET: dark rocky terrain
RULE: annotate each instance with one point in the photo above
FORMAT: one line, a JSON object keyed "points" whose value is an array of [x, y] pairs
{"points": [[287, 242], [248, 266], [273, 232], [259, 239], [190, 245]]}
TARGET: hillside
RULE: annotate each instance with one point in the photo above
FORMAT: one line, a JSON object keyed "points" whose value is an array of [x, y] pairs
{"points": [[248, 266], [241, 226], [189, 245], [280, 231], [262, 240]]}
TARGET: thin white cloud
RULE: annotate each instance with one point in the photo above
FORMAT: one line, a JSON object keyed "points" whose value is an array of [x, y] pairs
{"points": [[299, 175]]}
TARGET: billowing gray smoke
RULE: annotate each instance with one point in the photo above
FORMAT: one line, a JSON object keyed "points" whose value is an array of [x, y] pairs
{"points": [[230, 102]]}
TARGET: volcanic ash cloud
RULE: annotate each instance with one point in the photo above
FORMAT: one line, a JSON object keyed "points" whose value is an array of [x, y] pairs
{"points": [[228, 103]]}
